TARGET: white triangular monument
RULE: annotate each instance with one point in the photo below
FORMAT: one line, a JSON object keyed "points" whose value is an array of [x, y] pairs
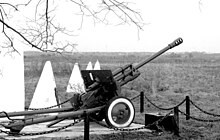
{"points": [[89, 66], [76, 82], [12, 90], [44, 95], [97, 65]]}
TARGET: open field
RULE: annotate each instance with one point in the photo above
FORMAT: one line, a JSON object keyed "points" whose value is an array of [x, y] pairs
{"points": [[166, 81]]}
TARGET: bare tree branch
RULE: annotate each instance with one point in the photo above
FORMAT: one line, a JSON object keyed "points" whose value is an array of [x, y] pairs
{"points": [[24, 4], [122, 12], [18, 33], [9, 43], [41, 32], [47, 24], [9, 5]]}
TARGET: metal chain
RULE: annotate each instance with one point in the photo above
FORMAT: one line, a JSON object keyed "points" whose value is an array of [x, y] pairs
{"points": [[48, 107], [171, 108], [114, 128], [161, 119], [39, 133], [198, 119], [131, 129], [133, 98], [212, 114]]}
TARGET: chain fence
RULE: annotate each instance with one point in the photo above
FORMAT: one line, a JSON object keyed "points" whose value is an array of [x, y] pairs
{"points": [[171, 108], [135, 97], [205, 112], [187, 115], [40, 133], [64, 103], [49, 106], [133, 129], [156, 123], [198, 119]]}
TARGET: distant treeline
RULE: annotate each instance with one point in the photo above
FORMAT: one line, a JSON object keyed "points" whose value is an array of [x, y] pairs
{"points": [[121, 57]]}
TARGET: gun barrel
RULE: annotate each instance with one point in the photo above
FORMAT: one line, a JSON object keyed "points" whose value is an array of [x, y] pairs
{"points": [[175, 43], [127, 72]]}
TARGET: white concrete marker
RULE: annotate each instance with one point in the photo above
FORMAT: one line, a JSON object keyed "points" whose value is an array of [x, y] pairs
{"points": [[89, 66], [12, 92], [44, 95], [76, 82], [97, 65]]}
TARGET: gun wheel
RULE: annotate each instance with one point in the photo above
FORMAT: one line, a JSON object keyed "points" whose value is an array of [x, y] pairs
{"points": [[119, 112]]}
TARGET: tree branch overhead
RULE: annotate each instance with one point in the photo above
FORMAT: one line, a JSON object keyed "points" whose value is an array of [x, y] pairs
{"points": [[43, 28]]}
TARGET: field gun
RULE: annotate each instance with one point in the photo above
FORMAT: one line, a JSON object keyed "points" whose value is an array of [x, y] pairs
{"points": [[101, 100], [104, 87]]}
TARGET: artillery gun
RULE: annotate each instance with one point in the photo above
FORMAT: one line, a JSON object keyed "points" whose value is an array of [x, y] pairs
{"points": [[101, 100]]}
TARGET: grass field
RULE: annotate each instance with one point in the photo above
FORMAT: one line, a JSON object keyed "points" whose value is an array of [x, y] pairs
{"points": [[166, 81]]}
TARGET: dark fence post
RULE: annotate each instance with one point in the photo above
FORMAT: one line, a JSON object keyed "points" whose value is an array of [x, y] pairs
{"points": [[57, 98], [176, 118], [86, 126], [187, 108], [142, 102]]}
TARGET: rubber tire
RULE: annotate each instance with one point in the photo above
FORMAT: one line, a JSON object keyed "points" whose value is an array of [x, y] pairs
{"points": [[109, 107]]}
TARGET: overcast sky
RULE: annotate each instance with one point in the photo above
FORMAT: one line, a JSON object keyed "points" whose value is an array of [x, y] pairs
{"points": [[197, 22]]}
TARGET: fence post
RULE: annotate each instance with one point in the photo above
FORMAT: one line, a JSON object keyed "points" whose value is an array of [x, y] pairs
{"points": [[176, 119], [142, 102], [187, 108], [57, 98], [86, 126]]}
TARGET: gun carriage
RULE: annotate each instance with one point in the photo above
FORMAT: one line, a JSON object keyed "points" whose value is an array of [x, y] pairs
{"points": [[101, 100]]}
